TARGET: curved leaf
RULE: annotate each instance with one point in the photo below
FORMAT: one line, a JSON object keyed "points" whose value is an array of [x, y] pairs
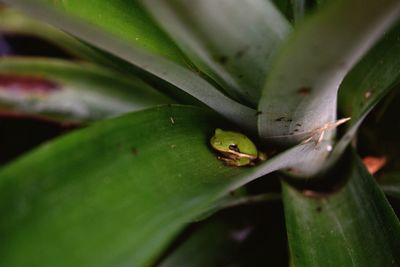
{"points": [[232, 41], [310, 67], [352, 226], [366, 85], [372, 77], [103, 193], [71, 91], [13, 23], [378, 141], [109, 197], [171, 72], [126, 20]]}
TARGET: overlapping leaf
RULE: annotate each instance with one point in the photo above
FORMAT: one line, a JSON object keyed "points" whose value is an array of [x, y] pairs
{"points": [[301, 90], [367, 84], [170, 72], [224, 40], [126, 20], [71, 91], [116, 193]]}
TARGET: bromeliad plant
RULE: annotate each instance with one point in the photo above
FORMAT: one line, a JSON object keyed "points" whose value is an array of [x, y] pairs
{"points": [[116, 192]]}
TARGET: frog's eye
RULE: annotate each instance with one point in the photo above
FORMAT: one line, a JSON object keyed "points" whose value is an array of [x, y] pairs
{"points": [[234, 147]]}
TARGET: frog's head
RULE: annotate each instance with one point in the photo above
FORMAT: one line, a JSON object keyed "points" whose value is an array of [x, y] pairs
{"points": [[233, 142]]}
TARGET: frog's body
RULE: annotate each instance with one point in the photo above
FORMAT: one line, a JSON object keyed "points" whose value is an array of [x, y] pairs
{"points": [[236, 148]]}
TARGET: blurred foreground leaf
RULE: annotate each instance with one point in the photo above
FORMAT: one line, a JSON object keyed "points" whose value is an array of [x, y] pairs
{"points": [[70, 91]]}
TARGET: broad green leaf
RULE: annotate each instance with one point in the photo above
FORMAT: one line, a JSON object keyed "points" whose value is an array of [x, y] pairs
{"points": [[115, 193], [106, 195], [70, 91], [353, 225], [232, 41], [169, 71], [126, 20], [313, 62]]}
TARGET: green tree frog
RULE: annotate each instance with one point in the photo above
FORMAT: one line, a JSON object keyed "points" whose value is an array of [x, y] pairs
{"points": [[236, 148]]}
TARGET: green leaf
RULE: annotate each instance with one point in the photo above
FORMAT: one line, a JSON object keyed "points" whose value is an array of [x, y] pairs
{"points": [[15, 23], [171, 72], [312, 64], [372, 78], [379, 137], [107, 194], [71, 91], [368, 82], [223, 40], [126, 20], [353, 225]]}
